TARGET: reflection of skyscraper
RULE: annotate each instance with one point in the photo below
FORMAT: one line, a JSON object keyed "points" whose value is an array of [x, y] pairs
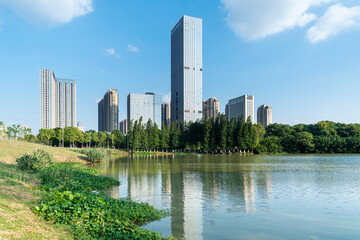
{"points": [[177, 204], [186, 70], [249, 191], [193, 215]]}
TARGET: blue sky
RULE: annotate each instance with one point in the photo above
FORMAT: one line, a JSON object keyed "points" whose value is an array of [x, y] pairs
{"points": [[300, 57]]}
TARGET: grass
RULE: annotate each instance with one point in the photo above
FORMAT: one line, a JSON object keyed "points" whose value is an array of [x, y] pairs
{"points": [[69, 189], [9, 150], [18, 196]]}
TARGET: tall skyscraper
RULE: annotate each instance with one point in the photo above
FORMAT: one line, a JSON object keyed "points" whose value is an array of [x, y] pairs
{"points": [[240, 106], [123, 127], [264, 115], [165, 114], [186, 70], [211, 108], [147, 106], [57, 101], [108, 111]]}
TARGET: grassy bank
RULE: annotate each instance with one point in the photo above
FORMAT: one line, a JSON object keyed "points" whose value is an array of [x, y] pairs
{"points": [[10, 150], [18, 195], [68, 197]]}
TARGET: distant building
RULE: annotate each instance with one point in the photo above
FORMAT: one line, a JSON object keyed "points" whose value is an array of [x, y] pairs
{"points": [[264, 115], [80, 126], [147, 106], [123, 126], [3, 131], [240, 106], [165, 114], [211, 108], [186, 70], [57, 101], [108, 111]]}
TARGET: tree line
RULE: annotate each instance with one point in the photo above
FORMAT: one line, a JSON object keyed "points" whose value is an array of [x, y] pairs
{"points": [[209, 135]]}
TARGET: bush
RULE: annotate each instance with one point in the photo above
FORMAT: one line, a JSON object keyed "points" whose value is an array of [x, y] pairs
{"points": [[36, 161], [96, 155]]}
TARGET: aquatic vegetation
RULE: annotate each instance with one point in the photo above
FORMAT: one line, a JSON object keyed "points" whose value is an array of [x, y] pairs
{"points": [[73, 196]]}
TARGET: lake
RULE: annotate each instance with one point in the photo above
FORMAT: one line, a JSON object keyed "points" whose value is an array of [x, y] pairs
{"points": [[246, 197]]}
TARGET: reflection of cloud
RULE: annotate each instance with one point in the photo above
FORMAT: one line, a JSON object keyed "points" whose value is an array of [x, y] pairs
{"points": [[98, 100], [50, 12]]}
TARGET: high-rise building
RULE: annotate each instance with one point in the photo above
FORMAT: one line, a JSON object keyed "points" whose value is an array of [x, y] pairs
{"points": [[211, 108], [264, 115], [123, 126], [240, 106], [147, 106], [108, 111], [57, 101], [186, 70], [165, 114]]}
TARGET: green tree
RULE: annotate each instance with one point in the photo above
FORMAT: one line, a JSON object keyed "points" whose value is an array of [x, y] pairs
{"points": [[208, 125], [45, 135], [102, 138], [174, 135], [223, 132], [231, 134], [71, 135], [304, 141], [165, 137]]}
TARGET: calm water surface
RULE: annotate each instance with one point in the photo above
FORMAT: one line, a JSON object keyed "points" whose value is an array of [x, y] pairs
{"points": [[246, 197]]}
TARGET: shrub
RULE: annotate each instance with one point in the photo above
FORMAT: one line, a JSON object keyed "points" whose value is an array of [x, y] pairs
{"points": [[96, 155], [36, 161]]}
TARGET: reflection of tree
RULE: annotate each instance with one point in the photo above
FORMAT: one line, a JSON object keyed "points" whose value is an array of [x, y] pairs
{"points": [[184, 182]]}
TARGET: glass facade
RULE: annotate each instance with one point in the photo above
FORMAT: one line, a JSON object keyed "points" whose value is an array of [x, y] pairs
{"points": [[241, 106], [147, 106], [186, 70]]}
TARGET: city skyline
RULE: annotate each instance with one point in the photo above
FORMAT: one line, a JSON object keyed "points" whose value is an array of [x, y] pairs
{"points": [[271, 63]]}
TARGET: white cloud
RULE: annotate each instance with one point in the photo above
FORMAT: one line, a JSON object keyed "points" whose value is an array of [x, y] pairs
{"points": [[167, 97], [110, 51], [336, 19], [255, 19], [132, 48], [50, 12]]}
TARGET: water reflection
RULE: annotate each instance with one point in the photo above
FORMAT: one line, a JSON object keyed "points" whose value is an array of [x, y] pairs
{"points": [[216, 197]]}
